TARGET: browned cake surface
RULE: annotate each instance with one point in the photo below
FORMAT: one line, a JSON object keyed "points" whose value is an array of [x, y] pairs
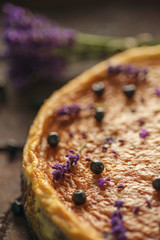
{"points": [[135, 164]]}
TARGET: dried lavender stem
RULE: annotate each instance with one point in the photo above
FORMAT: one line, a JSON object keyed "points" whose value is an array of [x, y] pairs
{"points": [[81, 148]]}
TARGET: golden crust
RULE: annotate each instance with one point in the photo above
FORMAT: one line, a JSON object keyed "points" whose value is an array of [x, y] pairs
{"points": [[45, 195]]}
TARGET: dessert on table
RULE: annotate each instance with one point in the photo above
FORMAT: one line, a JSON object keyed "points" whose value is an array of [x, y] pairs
{"points": [[91, 163]]}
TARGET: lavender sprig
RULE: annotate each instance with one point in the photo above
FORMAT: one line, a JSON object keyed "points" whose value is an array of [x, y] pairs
{"points": [[62, 169], [32, 40], [119, 204], [118, 229], [40, 44]]}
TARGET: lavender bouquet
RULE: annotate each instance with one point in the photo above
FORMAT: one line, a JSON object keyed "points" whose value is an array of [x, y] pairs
{"points": [[38, 49], [31, 41]]}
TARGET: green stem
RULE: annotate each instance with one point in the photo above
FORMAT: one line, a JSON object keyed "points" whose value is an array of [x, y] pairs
{"points": [[90, 46], [94, 46], [81, 148], [107, 42], [92, 40], [122, 193]]}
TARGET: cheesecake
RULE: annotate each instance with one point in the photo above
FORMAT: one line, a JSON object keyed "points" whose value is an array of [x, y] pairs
{"points": [[91, 162]]}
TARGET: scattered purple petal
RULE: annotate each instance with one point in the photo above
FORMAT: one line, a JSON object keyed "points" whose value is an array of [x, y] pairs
{"points": [[121, 186], [69, 110], [136, 209], [115, 152], [142, 100], [121, 140], [104, 148], [72, 151], [102, 181], [119, 204], [70, 134], [90, 106], [133, 109], [84, 134], [134, 71], [144, 133], [141, 122], [148, 203], [109, 140], [107, 179], [88, 159], [157, 91]]}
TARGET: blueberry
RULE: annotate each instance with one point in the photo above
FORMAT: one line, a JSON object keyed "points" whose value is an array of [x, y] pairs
{"points": [[17, 208], [156, 183], [53, 139], [79, 197], [129, 90], [98, 88], [97, 166], [99, 114]]}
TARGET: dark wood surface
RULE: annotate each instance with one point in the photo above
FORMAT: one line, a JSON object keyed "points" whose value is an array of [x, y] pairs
{"points": [[18, 111]]}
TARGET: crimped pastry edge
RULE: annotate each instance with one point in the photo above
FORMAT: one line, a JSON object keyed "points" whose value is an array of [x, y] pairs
{"points": [[44, 195]]}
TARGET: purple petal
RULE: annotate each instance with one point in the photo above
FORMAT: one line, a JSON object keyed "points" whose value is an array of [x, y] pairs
{"points": [[148, 203], [71, 151], [119, 203], [157, 92], [136, 209], [117, 213], [144, 133], [101, 182], [120, 186]]}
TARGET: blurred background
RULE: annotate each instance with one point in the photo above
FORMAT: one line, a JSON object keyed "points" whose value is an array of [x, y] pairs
{"points": [[41, 49]]}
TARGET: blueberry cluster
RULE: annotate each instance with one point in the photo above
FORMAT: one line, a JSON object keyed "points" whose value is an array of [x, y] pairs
{"points": [[32, 41]]}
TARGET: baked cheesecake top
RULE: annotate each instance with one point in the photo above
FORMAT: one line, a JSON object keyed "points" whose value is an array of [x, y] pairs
{"points": [[116, 119]]}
